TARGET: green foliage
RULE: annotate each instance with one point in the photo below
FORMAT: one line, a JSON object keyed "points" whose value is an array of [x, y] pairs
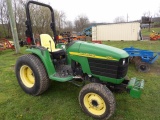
{"points": [[156, 24], [60, 102]]}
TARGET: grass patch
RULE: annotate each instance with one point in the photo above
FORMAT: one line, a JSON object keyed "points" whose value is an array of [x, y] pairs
{"points": [[60, 102], [146, 32]]}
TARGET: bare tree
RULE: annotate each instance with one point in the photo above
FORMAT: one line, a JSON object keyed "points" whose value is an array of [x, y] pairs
{"points": [[68, 26], [147, 14], [20, 16], [81, 22], [4, 19], [60, 19], [19, 13], [119, 19], [40, 18]]}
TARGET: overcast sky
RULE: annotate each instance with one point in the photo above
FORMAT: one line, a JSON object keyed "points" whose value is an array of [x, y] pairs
{"points": [[105, 10]]}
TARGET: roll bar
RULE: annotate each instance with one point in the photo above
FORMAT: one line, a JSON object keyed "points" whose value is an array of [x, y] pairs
{"points": [[29, 23]]}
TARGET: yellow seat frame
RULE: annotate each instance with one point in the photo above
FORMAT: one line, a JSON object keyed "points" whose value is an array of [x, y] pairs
{"points": [[47, 42]]}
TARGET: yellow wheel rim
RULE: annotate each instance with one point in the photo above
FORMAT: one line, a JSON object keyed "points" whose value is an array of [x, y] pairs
{"points": [[27, 76], [94, 104]]}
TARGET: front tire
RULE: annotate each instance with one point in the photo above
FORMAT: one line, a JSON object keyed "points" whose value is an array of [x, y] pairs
{"points": [[31, 74], [97, 101]]}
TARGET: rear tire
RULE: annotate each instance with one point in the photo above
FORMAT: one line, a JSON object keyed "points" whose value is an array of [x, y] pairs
{"points": [[142, 67], [97, 101], [31, 74]]}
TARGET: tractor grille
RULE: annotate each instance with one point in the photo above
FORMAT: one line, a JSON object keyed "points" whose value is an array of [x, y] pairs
{"points": [[108, 68]]}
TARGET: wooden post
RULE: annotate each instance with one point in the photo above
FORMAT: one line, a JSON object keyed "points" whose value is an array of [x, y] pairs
{"points": [[13, 26]]}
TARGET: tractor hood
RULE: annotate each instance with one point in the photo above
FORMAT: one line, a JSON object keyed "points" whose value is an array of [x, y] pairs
{"points": [[95, 50]]}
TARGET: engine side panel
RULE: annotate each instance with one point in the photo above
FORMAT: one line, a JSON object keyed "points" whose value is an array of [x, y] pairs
{"points": [[101, 61]]}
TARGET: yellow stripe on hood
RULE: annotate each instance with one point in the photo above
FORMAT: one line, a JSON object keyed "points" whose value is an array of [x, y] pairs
{"points": [[92, 56]]}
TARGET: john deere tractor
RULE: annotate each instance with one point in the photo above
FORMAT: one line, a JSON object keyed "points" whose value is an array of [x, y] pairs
{"points": [[98, 68]]}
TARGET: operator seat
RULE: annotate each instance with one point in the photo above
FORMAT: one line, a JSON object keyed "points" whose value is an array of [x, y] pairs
{"points": [[48, 43]]}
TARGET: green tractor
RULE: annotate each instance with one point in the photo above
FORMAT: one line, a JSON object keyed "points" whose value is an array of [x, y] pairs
{"points": [[102, 67]]}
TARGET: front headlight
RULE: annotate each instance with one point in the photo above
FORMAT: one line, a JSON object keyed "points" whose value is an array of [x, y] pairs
{"points": [[123, 62]]}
